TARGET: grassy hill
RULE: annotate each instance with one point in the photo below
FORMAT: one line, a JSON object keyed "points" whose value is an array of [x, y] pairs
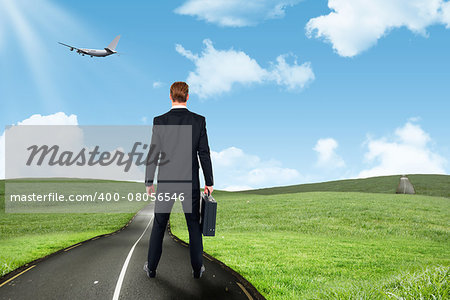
{"points": [[336, 245], [431, 185]]}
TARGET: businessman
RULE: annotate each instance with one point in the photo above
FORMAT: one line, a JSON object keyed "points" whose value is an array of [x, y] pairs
{"points": [[180, 115]]}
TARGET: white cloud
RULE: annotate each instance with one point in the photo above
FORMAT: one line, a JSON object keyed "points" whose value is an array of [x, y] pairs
{"points": [[235, 13], [157, 84], [407, 152], [326, 151], [58, 118], [218, 70], [292, 76], [354, 25], [446, 14], [235, 188], [236, 170]]}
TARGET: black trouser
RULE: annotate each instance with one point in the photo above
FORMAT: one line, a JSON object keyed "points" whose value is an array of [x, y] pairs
{"points": [[195, 236]]}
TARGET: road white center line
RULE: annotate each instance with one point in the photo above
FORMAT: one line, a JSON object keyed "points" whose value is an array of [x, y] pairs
{"points": [[125, 264]]}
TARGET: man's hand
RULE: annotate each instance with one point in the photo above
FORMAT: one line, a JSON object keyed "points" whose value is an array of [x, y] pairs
{"points": [[208, 190], [150, 189]]}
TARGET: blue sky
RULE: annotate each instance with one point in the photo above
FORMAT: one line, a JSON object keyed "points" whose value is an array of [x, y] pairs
{"points": [[349, 98]]}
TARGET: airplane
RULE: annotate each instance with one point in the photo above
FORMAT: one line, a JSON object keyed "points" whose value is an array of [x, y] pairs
{"points": [[111, 49]]}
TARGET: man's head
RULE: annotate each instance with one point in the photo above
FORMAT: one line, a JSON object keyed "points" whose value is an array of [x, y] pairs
{"points": [[179, 92]]}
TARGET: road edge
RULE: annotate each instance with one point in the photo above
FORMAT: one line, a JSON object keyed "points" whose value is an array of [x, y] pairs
{"points": [[255, 294]]}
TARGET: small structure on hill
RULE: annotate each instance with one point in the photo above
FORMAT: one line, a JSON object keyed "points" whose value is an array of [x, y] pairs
{"points": [[405, 186]]}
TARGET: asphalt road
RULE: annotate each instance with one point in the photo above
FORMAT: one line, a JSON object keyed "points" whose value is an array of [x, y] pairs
{"points": [[111, 267]]}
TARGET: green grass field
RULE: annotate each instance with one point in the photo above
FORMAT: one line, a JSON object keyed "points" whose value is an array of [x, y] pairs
{"points": [[351, 239], [430, 185], [26, 237], [336, 245]]}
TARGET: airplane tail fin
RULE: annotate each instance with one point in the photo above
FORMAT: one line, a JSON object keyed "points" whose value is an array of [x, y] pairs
{"points": [[112, 46]]}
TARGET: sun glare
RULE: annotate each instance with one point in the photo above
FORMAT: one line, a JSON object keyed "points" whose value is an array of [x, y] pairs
{"points": [[35, 26]]}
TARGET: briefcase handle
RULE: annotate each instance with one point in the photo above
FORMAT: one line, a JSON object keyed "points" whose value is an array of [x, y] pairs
{"points": [[201, 204]]}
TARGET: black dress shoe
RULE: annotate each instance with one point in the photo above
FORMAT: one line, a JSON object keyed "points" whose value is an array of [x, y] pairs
{"points": [[150, 273], [199, 273]]}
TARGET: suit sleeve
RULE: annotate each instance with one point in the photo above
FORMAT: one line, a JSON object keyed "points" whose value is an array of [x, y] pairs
{"points": [[153, 155], [204, 155]]}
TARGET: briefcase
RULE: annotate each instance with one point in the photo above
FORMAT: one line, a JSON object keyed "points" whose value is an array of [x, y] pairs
{"points": [[208, 215]]}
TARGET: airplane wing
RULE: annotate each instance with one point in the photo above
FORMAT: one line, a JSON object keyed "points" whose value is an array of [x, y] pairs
{"points": [[79, 51], [71, 47]]}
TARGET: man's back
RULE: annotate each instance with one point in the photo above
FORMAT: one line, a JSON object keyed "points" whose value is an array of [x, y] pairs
{"points": [[200, 147]]}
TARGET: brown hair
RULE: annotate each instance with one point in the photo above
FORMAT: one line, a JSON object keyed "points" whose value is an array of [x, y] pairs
{"points": [[179, 91]]}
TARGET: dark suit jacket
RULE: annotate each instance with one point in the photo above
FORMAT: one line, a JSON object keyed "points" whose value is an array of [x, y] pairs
{"points": [[200, 147]]}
